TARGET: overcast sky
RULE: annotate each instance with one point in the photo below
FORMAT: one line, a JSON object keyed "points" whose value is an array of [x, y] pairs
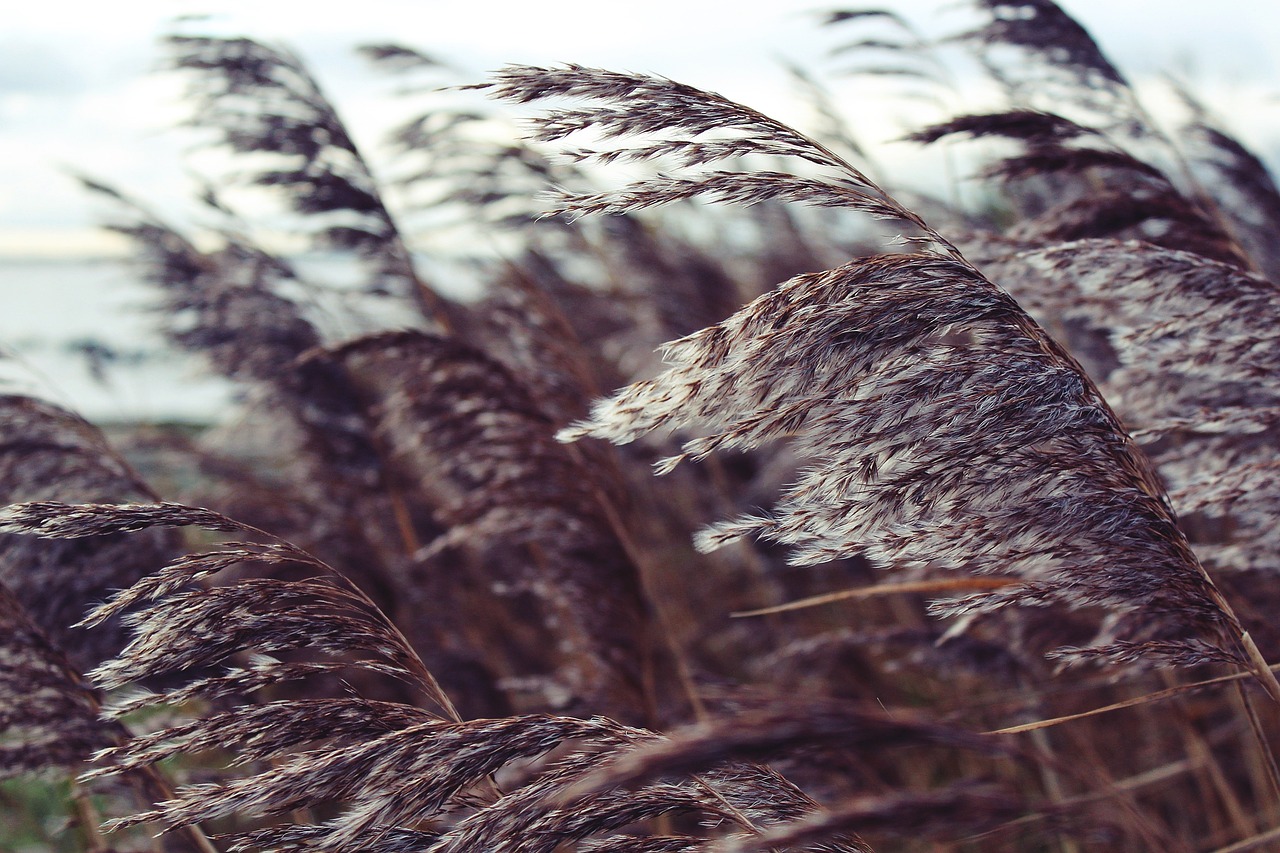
{"points": [[76, 89]]}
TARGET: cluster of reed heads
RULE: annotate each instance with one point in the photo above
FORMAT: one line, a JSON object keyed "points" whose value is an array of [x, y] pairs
{"points": [[964, 539]]}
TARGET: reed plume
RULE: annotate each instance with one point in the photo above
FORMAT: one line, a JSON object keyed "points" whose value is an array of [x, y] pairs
{"points": [[260, 98], [48, 712], [1245, 191], [49, 453], [1190, 335], [1066, 160], [512, 510], [946, 429], [404, 777]]}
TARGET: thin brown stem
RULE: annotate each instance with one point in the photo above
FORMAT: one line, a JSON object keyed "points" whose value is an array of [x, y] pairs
{"points": [[88, 818], [1265, 751], [1158, 696]]}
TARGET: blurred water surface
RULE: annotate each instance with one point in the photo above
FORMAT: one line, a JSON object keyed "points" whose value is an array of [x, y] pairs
{"points": [[83, 333]]}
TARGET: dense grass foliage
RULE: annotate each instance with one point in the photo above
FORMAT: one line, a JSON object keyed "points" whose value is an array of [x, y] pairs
{"points": [[963, 540]]}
